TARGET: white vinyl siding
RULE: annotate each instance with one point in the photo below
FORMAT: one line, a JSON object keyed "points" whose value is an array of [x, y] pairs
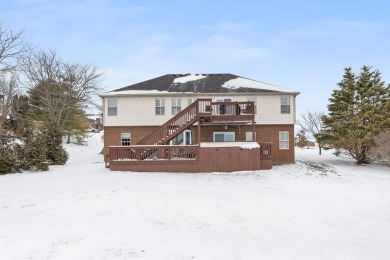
{"points": [[285, 107], [224, 136], [141, 110], [176, 106], [125, 139], [160, 106], [284, 140], [112, 107]]}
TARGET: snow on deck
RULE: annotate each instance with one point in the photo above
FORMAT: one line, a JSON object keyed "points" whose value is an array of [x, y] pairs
{"points": [[191, 77], [248, 83], [244, 145]]}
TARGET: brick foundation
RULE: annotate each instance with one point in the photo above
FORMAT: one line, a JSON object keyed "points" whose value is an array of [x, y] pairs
{"points": [[264, 133]]}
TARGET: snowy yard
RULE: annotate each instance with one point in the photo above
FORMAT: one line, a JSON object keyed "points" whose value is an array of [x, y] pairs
{"points": [[323, 207]]}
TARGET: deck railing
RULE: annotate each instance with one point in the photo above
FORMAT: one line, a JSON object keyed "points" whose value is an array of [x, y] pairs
{"points": [[147, 153], [233, 111], [265, 151]]}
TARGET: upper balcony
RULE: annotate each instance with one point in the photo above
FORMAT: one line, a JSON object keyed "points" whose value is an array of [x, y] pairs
{"points": [[210, 111]]}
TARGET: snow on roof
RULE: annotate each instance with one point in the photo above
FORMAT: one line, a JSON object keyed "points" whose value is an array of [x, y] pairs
{"points": [[127, 92], [191, 77], [249, 83], [244, 145]]}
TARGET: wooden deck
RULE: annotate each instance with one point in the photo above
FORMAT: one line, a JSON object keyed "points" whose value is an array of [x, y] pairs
{"points": [[192, 158]]}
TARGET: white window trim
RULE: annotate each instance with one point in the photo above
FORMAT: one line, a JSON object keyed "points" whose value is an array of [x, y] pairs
{"points": [[222, 99], [176, 104], [161, 105], [281, 104], [224, 133], [191, 100], [281, 141], [249, 136], [124, 137], [110, 102]]}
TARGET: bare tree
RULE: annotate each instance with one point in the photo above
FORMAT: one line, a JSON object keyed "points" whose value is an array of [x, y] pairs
{"points": [[380, 151], [57, 89], [12, 48], [9, 88], [312, 122]]}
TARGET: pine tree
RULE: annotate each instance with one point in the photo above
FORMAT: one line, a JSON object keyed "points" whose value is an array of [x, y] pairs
{"points": [[358, 111], [301, 139], [9, 160]]}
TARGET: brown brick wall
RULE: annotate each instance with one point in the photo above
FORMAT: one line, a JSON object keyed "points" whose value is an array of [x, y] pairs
{"points": [[264, 133]]}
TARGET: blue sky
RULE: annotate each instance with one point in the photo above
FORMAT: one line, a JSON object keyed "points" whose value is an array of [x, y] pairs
{"points": [[301, 45]]}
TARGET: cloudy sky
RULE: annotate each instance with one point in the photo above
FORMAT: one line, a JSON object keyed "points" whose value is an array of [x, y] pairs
{"points": [[299, 44]]}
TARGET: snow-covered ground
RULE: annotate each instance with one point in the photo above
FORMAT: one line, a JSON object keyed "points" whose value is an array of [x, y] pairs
{"points": [[322, 207]]}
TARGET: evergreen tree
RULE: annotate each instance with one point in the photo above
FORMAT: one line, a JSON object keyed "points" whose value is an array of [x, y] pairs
{"points": [[33, 153], [301, 139], [56, 153], [358, 111], [9, 160]]}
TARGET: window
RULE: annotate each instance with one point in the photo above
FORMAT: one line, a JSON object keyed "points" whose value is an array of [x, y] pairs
{"points": [[254, 100], [224, 137], [112, 107], [283, 140], [249, 137], [125, 139], [223, 109], [191, 100], [285, 104], [160, 106], [176, 106]]}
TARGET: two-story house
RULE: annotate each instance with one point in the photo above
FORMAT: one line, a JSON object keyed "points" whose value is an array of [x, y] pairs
{"points": [[175, 118]]}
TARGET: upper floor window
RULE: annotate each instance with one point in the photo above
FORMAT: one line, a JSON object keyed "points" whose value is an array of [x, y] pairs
{"points": [[191, 100], [112, 107], [284, 140], [285, 104], [254, 100], [125, 139], [176, 106], [160, 106]]}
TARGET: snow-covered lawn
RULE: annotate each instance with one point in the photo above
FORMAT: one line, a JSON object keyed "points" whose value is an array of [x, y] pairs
{"points": [[322, 207]]}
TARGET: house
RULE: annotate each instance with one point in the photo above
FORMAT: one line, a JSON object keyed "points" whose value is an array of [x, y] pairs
{"points": [[198, 122]]}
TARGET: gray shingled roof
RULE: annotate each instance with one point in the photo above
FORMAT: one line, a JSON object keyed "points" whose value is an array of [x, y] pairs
{"points": [[210, 83]]}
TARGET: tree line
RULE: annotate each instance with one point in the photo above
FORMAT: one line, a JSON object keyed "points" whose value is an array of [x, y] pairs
{"points": [[358, 119], [42, 99]]}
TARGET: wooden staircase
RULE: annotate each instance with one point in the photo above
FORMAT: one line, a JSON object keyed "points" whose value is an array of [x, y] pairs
{"points": [[177, 124]]}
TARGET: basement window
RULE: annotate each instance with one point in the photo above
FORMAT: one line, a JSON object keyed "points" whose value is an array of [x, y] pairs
{"points": [[125, 139]]}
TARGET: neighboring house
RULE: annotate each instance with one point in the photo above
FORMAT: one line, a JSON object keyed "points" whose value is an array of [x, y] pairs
{"points": [[92, 124], [198, 112]]}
